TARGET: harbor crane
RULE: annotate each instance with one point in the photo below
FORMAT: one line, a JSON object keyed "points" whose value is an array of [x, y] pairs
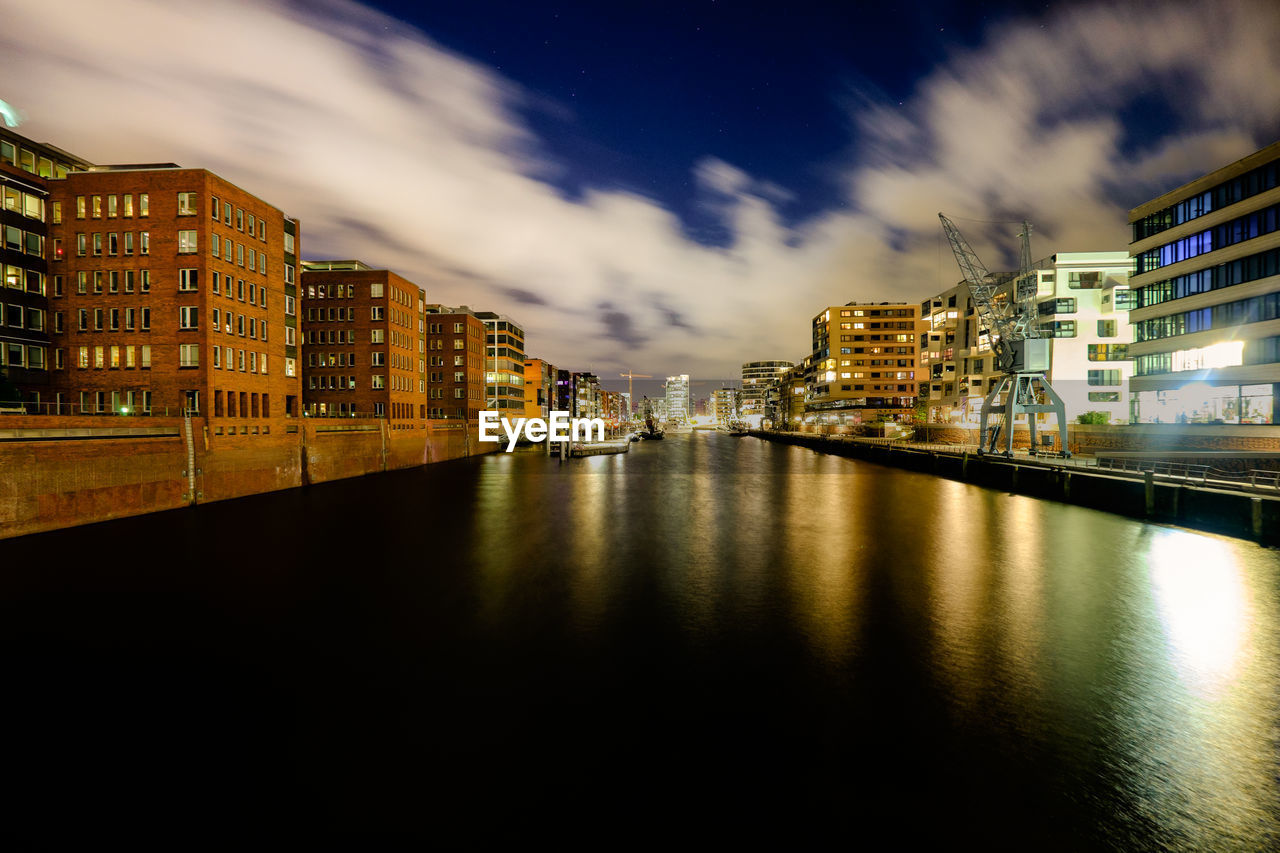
{"points": [[629, 376], [1021, 350]]}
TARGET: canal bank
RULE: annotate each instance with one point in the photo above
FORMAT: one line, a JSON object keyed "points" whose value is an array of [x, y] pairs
{"points": [[64, 471], [1146, 495]]}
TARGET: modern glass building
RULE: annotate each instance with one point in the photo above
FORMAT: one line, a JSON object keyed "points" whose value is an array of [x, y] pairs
{"points": [[1206, 272]]}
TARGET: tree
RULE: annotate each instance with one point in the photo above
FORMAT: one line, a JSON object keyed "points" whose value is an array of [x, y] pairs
{"points": [[1093, 418]]}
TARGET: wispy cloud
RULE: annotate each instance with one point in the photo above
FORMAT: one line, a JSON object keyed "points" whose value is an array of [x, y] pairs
{"points": [[398, 152]]}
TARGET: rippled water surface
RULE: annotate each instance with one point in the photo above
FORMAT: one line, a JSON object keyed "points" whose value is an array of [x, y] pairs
{"points": [[707, 636]]}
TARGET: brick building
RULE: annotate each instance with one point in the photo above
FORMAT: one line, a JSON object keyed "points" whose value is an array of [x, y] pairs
{"points": [[455, 363], [365, 347], [173, 291]]}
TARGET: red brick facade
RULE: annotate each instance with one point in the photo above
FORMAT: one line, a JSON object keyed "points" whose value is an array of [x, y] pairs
{"points": [[169, 288], [365, 347]]}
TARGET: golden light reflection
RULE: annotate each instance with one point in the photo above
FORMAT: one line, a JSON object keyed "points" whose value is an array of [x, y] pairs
{"points": [[826, 543], [1204, 608]]}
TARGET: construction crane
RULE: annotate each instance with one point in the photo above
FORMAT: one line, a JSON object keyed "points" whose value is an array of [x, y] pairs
{"points": [[629, 376], [1021, 352]]}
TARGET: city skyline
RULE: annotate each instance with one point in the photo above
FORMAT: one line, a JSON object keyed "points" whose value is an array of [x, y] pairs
{"points": [[525, 205]]}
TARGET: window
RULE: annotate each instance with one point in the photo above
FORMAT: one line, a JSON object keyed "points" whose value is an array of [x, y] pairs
{"points": [[146, 321], [375, 290], [377, 312], [188, 279], [144, 360], [82, 245], [239, 254], [112, 206], [97, 207], [214, 207], [144, 242], [57, 213], [1104, 396], [128, 204], [97, 244], [1106, 328], [379, 381], [145, 287], [188, 317], [144, 204], [187, 243], [188, 355], [186, 204], [379, 359], [289, 306], [82, 360], [128, 242], [1108, 352]]}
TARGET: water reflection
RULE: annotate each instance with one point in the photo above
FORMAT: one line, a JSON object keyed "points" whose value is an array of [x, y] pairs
{"points": [[714, 617]]}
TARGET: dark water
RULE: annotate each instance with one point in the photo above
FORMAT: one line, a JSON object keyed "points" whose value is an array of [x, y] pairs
{"points": [[708, 638]]}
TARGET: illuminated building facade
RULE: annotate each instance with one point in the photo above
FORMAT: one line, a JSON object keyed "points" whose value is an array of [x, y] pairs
{"points": [[679, 403], [865, 363], [756, 376], [26, 261], [539, 388], [173, 292], [1083, 301], [1206, 272], [504, 364]]}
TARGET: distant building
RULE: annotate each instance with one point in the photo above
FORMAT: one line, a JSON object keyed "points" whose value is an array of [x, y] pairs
{"points": [[865, 363], [724, 404], [564, 391], [365, 343], [1083, 301], [678, 406], [756, 376], [586, 396], [1206, 260], [539, 388], [504, 370]]}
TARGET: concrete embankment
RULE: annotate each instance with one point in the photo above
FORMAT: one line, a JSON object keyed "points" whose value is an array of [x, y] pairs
{"points": [[64, 471], [1234, 513]]}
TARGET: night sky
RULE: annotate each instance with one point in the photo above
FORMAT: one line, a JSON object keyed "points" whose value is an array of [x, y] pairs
{"points": [[665, 187]]}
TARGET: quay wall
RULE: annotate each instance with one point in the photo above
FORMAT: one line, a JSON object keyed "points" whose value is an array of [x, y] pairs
{"points": [[62, 471], [1233, 513]]}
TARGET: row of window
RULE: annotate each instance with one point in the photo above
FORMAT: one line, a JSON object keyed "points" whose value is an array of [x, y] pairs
{"points": [[1253, 310], [221, 285], [244, 256], [115, 205], [1249, 184], [29, 161], [28, 204], [109, 319], [1104, 377], [1256, 351], [108, 281], [244, 222], [13, 354], [114, 357], [21, 278], [225, 405], [226, 322], [1247, 227], [1067, 328], [28, 242], [21, 317], [1251, 268], [226, 358], [114, 243]]}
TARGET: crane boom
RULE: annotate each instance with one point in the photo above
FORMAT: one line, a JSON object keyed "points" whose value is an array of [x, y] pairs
{"points": [[996, 316], [1016, 339]]}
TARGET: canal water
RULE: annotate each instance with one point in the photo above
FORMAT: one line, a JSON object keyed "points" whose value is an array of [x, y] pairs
{"points": [[707, 638]]}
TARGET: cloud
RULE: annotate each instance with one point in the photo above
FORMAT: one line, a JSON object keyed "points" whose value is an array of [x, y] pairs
{"points": [[400, 153]]}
